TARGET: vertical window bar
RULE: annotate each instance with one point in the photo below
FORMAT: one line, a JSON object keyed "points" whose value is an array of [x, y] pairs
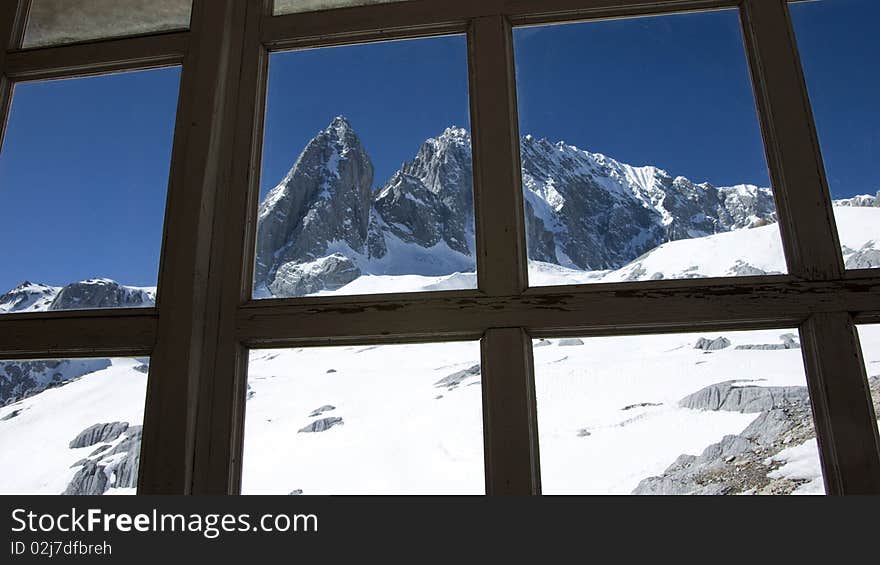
{"points": [[842, 408], [509, 420], [498, 201], [183, 358], [11, 23], [510, 431], [806, 219], [221, 425]]}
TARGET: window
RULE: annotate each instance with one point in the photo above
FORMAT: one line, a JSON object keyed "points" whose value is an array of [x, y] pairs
{"points": [[377, 195], [85, 167], [870, 340], [52, 22], [71, 426], [389, 419], [241, 359], [630, 169], [714, 413], [837, 47]]}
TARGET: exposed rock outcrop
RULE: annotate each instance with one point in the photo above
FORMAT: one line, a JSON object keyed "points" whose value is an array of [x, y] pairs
{"points": [[321, 425], [712, 344]]}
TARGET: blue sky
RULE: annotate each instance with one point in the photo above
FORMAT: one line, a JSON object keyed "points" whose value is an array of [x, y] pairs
{"points": [[84, 166], [83, 178], [840, 53]]}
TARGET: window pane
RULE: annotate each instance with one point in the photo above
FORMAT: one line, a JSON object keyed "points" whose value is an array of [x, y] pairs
{"points": [[391, 419], [713, 413], [869, 335], [83, 177], [839, 49], [71, 426], [642, 156], [339, 213], [51, 22], [291, 6]]}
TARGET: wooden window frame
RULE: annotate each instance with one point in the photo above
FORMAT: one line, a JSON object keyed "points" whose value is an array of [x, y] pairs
{"points": [[205, 320]]}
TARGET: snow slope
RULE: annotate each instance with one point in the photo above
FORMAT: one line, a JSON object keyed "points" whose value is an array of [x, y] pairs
{"points": [[402, 433], [35, 432]]}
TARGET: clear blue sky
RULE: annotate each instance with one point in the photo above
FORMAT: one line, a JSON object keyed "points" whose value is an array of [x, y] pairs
{"points": [[83, 178], [84, 166], [840, 52]]}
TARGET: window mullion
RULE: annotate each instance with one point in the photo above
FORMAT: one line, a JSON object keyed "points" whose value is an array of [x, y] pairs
{"points": [[509, 422], [9, 20], [498, 201], [187, 303], [842, 407], [510, 433], [221, 429], [803, 202]]}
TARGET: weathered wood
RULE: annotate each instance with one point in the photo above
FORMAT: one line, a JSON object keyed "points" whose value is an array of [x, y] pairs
{"points": [[595, 310], [498, 199], [842, 408], [510, 429], [221, 419], [183, 358], [797, 173], [78, 334], [107, 56]]}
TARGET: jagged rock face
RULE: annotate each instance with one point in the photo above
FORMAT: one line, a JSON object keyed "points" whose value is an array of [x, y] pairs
{"points": [[742, 463], [431, 199], [327, 273], [588, 211], [21, 379], [325, 198], [98, 433], [110, 466], [583, 210], [101, 293]]}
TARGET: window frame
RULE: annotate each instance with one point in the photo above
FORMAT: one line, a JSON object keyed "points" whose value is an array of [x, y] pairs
{"points": [[205, 320]]}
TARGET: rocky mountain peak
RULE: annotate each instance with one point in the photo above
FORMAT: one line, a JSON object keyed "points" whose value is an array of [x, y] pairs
{"points": [[323, 201], [28, 296]]}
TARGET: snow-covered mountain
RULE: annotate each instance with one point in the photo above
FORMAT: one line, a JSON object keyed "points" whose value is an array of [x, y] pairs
{"points": [[89, 294], [584, 211]]}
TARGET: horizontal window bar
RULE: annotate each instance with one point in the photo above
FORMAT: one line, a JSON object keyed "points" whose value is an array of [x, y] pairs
{"points": [[592, 311], [99, 57]]}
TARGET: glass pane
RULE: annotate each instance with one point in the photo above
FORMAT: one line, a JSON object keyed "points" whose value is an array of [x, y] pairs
{"points": [[391, 419], [339, 213], [51, 22], [711, 413], [291, 6], [839, 49], [83, 177], [645, 162], [71, 426], [869, 335]]}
